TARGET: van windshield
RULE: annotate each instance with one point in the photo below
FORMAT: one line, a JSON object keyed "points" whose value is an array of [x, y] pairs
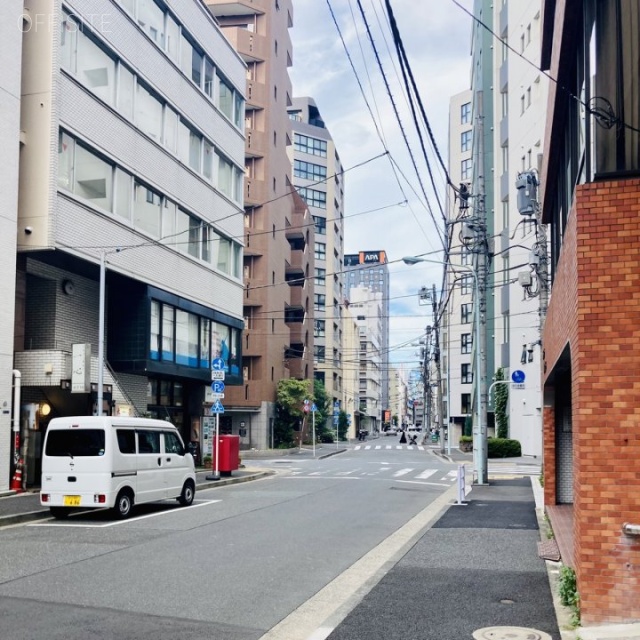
{"points": [[75, 442]]}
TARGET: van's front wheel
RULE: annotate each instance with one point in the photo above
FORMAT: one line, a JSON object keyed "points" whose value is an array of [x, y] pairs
{"points": [[188, 494], [124, 504]]}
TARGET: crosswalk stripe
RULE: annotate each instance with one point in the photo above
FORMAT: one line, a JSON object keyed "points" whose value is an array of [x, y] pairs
{"points": [[356, 447], [398, 446], [388, 446], [367, 447], [402, 472], [378, 447], [426, 474]]}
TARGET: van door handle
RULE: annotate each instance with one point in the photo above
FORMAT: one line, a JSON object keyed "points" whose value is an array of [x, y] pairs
{"points": [[159, 462]]}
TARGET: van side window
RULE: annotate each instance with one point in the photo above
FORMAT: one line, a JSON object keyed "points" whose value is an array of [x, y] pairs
{"points": [[148, 441], [172, 444], [126, 440]]}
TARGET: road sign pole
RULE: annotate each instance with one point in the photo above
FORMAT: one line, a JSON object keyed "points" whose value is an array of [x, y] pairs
{"points": [[313, 420], [216, 471]]}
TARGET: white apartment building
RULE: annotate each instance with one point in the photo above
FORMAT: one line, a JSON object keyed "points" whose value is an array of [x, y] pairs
{"points": [[132, 169], [519, 117], [10, 72], [351, 370], [319, 180], [367, 308], [457, 333]]}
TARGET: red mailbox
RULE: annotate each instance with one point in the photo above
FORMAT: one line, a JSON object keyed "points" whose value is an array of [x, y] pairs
{"points": [[228, 456]]}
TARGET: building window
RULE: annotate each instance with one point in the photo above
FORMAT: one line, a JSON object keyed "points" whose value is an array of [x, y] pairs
{"points": [[319, 353], [147, 209], [465, 169], [320, 250], [466, 343], [465, 313], [465, 141], [465, 113], [312, 146], [320, 275], [466, 374], [309, 170], [319, 328], [465, 284], [313, 197], [320, 224], [465, 403], [319, 301]]}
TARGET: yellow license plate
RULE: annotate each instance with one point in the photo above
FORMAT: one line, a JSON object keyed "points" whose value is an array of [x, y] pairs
{"points": [[72, 501]]}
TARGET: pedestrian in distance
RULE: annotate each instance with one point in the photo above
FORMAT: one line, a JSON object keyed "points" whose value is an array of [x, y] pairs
{"points": [[362, 435], [403, 438]]}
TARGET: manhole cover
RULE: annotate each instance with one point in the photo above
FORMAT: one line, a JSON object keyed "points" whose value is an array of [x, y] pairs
{"points": [[510, 633]]}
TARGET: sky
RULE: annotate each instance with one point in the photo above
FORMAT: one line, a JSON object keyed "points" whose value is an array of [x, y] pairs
{"points": [[386, 209]]}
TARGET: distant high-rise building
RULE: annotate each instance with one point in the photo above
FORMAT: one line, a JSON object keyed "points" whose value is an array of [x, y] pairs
{"points": [[318, 178], [369, 269], [278, 229]]}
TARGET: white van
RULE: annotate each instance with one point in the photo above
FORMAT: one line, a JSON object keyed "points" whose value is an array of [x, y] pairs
{"points": [[107, 462]]}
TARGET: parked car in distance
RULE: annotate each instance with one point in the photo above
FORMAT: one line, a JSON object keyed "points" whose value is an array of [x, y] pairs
{"points": [[391, 431]]}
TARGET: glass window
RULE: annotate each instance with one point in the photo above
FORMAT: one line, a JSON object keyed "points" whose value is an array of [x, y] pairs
{"points": [[465, 141], [148, 441], [126, 87], [465, 169], [309, 170], [319, 328], [319, 301], [237, 260], [466, 374], [66, 147], [224, 250], [147, 210], [208, 77], [184, 139], [196, 67], [320, 250], [124, 187], [151, 19], [194, 237], [172, 444], [126, 440], [466, 343], [465, 313], [225, 176], [205, 342], [313, 197], [95, 69], [465, 113], [186, 56], [238, 184], [195, 151], [93, 178], [312, 146], [148, 113], [238, 110], [167, 333], [225, 98], [173, 39], [168, 229], [182, 337], [75, 443], [154, 347], [206, 242], [320, 224], [320, 275], [207, 164], [170, 129], [68, 42]]}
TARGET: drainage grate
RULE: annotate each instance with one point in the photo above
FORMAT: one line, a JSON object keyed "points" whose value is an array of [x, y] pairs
{"points": [[548, 550], [510, 633]]}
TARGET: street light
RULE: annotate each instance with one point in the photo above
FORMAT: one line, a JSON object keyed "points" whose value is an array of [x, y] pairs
{"points": [[480, 434]]}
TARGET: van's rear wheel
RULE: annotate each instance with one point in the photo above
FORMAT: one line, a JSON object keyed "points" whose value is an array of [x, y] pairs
{"points": [[59, 512], [188, 494], [124, 504]]}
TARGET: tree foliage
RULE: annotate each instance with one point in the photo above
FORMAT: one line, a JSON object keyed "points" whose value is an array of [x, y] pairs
{"points": [[290, 415], [501, 400]]}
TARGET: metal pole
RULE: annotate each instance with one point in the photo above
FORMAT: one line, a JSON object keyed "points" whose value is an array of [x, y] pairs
{"points": [[216, 470], [101, 335], [479, 440], [313, 421]]}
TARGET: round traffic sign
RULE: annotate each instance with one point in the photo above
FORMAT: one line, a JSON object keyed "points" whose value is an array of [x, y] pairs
{"points": [[518, 376]]}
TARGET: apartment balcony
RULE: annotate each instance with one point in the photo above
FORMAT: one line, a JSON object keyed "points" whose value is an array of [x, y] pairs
{"points": [[256, 143], [294, 271], [256, 95], [222, 8], [294, 314], [255, 192], [251, 46]]}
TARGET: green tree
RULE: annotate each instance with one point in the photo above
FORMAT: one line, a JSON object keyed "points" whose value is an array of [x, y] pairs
{"points": [[343, 425], [324, 412], [501, 400], [290, 397]]}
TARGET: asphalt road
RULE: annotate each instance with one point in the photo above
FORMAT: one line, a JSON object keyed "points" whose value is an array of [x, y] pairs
{"points": [[273, 558]]}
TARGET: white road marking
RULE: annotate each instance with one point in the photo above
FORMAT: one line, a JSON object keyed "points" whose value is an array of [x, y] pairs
{"points": [[402, 472], [426, 474], [430, 484], [117, 522]]}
